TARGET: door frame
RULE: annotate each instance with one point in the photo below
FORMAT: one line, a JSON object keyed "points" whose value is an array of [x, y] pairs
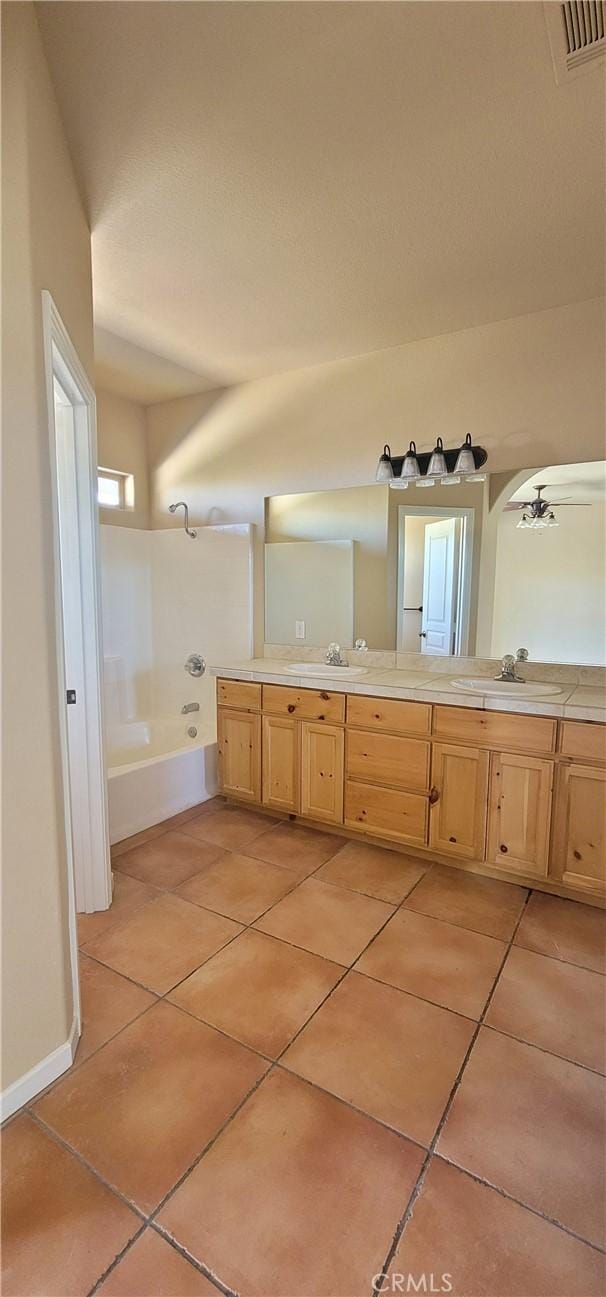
{"points": [[467, 517], [92, 873]]}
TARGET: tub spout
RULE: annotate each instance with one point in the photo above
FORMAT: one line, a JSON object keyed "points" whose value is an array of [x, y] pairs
{"points": [[189, 707]]}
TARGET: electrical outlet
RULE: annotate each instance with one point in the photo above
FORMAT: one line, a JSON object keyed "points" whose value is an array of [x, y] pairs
{"points": [[299, 630]]}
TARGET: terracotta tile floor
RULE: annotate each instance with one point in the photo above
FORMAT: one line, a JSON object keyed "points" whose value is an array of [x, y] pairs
{"points": [[308, 1062]]}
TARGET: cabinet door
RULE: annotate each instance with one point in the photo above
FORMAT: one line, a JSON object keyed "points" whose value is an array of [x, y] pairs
{"points": [[519, 813], [579, 837], [458, 799], [322, 749], [280, 763], [239, 745]]}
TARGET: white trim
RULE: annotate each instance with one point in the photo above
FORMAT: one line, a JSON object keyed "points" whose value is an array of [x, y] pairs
{"points": [[94, 872], [43, 1074]]}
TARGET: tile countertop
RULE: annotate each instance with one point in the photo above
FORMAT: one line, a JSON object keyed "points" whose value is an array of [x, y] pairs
{"points": [[575, 703]]}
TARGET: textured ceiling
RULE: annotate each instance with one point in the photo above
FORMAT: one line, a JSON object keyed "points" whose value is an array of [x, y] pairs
{"points": [[277, 185]]}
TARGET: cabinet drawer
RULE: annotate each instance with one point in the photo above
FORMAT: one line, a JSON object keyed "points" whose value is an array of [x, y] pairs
{"points": [[583, 740], [396, 715], [239, 693], [304, 704], [495, 729], [388, 759], [387, 812]]}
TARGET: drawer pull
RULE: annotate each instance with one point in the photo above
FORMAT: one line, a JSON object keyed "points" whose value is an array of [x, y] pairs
{"points": [[434, 796], [291, 707]]}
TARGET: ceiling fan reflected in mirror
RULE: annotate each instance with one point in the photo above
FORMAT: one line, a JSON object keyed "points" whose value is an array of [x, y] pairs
{"points": [[538, 513]]}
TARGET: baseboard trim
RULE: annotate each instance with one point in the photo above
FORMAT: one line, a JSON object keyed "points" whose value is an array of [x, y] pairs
{"points": [[38, 1077]]}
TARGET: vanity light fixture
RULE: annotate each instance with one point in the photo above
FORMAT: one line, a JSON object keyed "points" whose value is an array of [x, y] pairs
{"points": [[384, 471], [465, 460], [432, 468], [437, 464]]}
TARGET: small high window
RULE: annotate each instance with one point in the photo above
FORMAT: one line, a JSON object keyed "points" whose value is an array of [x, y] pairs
{"points": [[115, 490]]}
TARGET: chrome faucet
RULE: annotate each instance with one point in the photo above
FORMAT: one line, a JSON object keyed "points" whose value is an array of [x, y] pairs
{"points": [[333, 656], [509, 664]]}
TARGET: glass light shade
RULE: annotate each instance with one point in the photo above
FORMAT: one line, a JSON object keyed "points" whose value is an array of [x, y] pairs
{"points": [[425, 481], [398, 484], [451, 479], [465, 460], [523, 523], [410, 467], [475, 477], [552, 521], [437, 464], [384, 471]]}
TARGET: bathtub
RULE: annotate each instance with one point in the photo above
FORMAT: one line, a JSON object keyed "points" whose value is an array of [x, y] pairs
{"points": [[155, 769]]}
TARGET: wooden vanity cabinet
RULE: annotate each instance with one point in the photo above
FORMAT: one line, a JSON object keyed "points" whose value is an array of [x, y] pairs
{"points": [[578, 852], [239, 753], [322, 764], [280, 763], [457, 800], [519, 813], [501, 793]]}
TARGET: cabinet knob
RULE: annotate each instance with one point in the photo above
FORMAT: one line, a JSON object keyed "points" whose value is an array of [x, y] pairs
{"points": [[434, 796], [291, 707]]}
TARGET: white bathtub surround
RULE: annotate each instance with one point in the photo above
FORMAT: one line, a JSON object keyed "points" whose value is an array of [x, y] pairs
{"points": [[574, 701], [163, 772], [164, 597]]}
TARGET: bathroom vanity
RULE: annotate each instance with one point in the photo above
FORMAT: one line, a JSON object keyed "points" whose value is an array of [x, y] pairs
{"points": [[512, 795]]}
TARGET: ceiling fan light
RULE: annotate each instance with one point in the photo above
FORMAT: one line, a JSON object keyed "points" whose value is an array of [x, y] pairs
{"points": [[437, 464], [410, 467], [552, 521], [523, 523], [384, 471], [465, 458]]}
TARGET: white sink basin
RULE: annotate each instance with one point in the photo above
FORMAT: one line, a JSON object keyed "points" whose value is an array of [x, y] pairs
{"points": [[504, 688], [323, 671]]}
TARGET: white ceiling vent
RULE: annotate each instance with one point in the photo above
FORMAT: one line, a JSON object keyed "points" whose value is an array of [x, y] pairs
{"points": [[577, 36]]}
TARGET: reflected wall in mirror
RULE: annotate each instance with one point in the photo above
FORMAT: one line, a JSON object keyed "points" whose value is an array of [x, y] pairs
{"points": [[445, 571]]}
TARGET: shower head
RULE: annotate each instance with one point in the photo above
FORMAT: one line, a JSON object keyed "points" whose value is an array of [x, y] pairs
{"points": [[180, 504]]}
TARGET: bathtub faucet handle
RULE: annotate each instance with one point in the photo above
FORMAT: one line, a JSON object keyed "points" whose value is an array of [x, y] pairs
{"points": [[189, 707], [195, 665]]}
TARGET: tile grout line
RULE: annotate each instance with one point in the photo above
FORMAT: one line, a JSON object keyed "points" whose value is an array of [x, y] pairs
{"points": [[534, 1211], [406, 1215]]}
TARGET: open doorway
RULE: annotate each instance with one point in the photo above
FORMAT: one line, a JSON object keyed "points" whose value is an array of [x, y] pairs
{"points": [[435, 548], [71, 411]]}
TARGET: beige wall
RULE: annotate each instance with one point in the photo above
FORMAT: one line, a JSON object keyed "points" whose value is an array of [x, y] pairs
{"points": [[122, 445], [46, 245], [531, 390], [360, 514], [550, 588]]}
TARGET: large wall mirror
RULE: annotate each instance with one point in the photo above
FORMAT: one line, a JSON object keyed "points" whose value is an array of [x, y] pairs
{"points": [[478, 569]]}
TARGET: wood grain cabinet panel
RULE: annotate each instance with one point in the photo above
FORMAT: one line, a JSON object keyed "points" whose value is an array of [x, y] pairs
{"points": [[579, 832], [239, 752], [280, 752], [499, 730], [458, 800], [388, 759], [304, 704], [584, 740], [387, 812], [393, 714], [519, 813], [322, 771], [244, 694]]}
